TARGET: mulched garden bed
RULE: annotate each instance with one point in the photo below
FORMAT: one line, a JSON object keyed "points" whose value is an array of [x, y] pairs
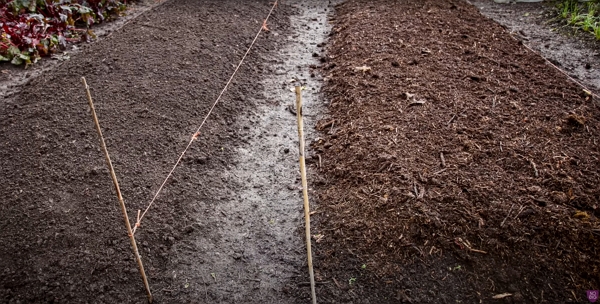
{"points": [[455, 164]]}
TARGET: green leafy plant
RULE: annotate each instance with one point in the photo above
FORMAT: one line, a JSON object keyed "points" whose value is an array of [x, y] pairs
{"points": [[588, 20], [580, 15], [574, 16], [31, 29], [565, 8]]}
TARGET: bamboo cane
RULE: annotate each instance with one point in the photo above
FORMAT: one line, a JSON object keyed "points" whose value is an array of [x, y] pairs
{"points": [[120, 197], [305, 192]]}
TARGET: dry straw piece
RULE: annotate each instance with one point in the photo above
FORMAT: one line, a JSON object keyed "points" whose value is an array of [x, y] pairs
{"points": [[118, 189]]}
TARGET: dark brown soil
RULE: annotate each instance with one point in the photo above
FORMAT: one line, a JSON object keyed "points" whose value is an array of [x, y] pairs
{"points": [[456, 164], [62, 238]]}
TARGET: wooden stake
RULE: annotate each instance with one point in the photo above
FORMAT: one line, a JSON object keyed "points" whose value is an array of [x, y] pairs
{"points": [[305, 192], [120, 197]]}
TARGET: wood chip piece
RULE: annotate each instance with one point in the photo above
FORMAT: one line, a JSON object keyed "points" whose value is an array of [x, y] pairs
{"points": [[363, 68], [502, 296], [417, 103]]}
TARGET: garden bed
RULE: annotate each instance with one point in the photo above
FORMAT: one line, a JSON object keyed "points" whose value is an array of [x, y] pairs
{"points": [[62, 238], [453, 164], [456, 164]]}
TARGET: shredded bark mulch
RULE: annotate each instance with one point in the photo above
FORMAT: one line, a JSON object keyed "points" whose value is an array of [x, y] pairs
{"points": [[455, 164]]}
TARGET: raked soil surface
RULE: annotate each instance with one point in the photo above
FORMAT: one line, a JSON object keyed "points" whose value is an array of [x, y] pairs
{"points": [[456, 165], [225, 228]]}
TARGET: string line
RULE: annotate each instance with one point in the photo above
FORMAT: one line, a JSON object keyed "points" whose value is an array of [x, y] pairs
{"points": [[197, 133]]}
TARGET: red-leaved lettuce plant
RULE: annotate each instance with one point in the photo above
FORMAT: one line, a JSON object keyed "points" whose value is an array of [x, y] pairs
{"points": [[30, 29]]}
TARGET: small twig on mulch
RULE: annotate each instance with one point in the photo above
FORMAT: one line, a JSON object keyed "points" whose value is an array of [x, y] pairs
{"points": [[533, 165], [511, 208], [468, 246], [325, 124], [535, 170], [451, 120], [438, 172], [520, 210], [305, 192], [337, 284]]}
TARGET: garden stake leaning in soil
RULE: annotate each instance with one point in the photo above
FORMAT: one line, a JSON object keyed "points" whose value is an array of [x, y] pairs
{"points": [[116, 183], [305, 192]]}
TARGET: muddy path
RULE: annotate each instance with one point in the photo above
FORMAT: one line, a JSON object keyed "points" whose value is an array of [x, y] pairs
{"points": [[259, 254], [224, 230]]}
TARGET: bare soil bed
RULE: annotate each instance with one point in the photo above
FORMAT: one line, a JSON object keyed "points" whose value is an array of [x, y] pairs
{"points": [[62, 238], [455, 164]]}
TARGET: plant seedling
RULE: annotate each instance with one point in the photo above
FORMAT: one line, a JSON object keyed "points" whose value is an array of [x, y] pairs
{"points": [[588, 22], [351, 281], [580, 15], [574, 17], [564, 10]]}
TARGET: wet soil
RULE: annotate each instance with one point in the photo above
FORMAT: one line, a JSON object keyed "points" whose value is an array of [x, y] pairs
{"points": [[224, 230], [259, 255], [456, 165], [536, 26]]}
